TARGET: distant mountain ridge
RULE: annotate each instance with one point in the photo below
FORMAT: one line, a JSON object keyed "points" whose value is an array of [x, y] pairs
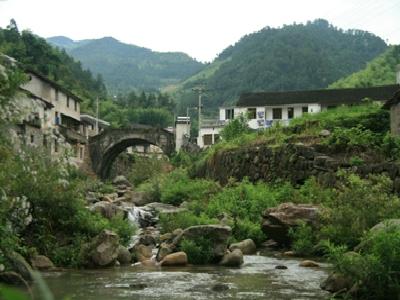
{"points": [[293, 57], [127, 67]]}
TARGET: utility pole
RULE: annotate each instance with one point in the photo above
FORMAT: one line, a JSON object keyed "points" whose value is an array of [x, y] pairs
{"points": [[97, 115], [200, 90]]}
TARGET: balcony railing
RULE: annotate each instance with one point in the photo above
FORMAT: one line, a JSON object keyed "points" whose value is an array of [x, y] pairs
{"points": [[72, 135]]}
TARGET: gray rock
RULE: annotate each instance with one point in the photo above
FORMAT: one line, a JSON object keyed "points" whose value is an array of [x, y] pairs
{"points": [[278, 220], [232, 259], [336, 282], [220, 287], [12, 278], [107, 209], [41, 262], [217, 235], [104, 249], [164, 250], [119, 180], [124, 256], [281, 267], [246, 246], [324, 133], [20, 265]]}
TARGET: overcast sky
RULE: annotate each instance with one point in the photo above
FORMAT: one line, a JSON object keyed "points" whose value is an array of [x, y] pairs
{"points": [[201, 28]]}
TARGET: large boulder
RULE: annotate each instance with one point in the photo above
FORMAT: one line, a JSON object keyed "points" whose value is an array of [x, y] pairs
{"points": [[164, 250], [41, 262], [143, 252], [20, 265], [104, 249], [336, 282], [278, 220], [124, 256], [175, 259], [232, 259], [121, 180], [247, 247], [106, 209], [138, 198], [217, 235]]}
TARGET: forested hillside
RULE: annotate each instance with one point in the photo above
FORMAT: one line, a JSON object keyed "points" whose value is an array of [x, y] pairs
{"points": [[293, 57], [34, 53], [127, 67], [380, 71]]}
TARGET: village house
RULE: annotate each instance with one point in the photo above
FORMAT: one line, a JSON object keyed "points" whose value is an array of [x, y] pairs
{"points": [[263, 109], [93, 126]]}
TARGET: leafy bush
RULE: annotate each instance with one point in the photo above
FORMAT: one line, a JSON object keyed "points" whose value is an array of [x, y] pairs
{"points": [[235, 128], [55, 201], [199, 250], [303, 239], [391, 146], [145, 168], [170, 222], [358, 204], [344, 139], [376, 269], [178, 187]]}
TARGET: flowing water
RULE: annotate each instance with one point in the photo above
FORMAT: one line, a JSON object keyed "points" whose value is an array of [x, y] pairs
{"points": [[256, 279]]}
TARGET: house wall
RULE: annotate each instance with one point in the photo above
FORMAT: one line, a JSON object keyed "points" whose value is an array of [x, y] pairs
{"points": [[204, 131], [395, 119], [181, 130]]}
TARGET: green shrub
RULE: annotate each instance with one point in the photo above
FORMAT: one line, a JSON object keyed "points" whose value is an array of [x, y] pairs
{"points": [[391, 146], [358, 205], [178, 187], [303, 240], [61, 223], [356, 161], [359, 138], [235, 128], [248, 229], [199, 250], [170, 222], [376, 269], [145, 168]]}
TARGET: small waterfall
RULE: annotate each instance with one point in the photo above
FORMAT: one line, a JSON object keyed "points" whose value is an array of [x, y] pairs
{"points": [[141, 217]]}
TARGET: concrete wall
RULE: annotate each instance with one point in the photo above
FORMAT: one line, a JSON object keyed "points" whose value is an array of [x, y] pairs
{"points": [[208, 131], [395, 119], [181, 130]]}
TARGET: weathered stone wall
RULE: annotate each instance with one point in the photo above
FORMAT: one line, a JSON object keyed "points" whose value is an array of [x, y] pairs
{"points": [[291, 162]]}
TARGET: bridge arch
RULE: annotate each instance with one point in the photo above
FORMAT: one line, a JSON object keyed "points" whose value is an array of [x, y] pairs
{"points": [[105, 147]]}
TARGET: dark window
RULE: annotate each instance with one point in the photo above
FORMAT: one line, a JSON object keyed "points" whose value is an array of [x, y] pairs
{"points": [[251, 113], [216, 138], [290, 112], [75, 105], [304, 109], [81, 152], [45, 141], [277, 113], [229, 114], [67, 101], [331, 107], [32, 138], [207, 139]]}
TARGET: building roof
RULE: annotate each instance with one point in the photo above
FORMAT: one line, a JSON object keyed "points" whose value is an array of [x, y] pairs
{"points": [[54, 84], [92, 120], [393, 101], [326, 96]]}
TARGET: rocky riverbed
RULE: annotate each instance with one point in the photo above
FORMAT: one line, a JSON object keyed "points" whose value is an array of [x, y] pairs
{"points": [[257, 278]]}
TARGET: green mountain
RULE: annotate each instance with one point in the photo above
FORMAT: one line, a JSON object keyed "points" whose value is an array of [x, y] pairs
{"points": [[293, 57], [127, 67], [380, 71], [36, 54]]}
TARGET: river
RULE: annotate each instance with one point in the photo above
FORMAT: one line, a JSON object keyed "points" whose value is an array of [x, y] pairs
{"points": [[257, 278]]}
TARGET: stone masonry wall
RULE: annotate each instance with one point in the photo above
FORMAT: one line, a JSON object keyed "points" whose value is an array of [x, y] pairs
{"points": [[291, 162]]}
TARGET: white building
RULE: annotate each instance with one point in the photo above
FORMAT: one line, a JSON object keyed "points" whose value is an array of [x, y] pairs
{"points": [[263, 109]]}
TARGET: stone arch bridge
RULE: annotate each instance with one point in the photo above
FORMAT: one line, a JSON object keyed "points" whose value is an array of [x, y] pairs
{"points": [[105, 147]]}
